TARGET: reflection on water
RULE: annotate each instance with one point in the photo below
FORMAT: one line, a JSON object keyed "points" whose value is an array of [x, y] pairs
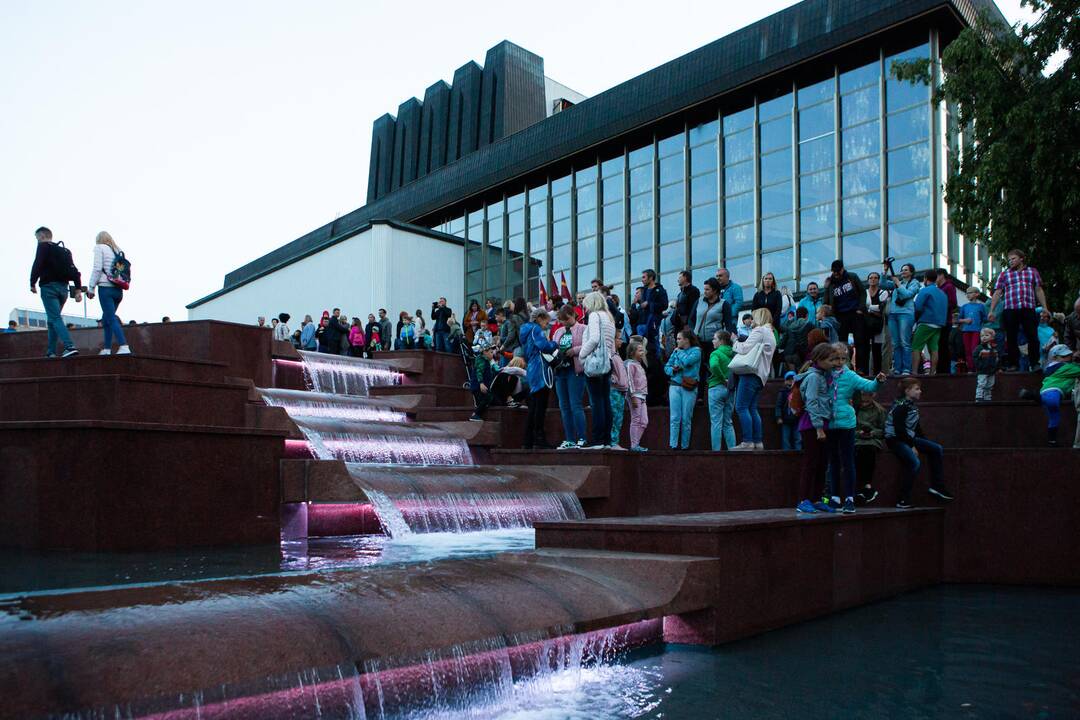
{"points": [[43, 571]]}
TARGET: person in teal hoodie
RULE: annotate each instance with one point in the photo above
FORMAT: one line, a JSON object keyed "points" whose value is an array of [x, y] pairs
{"points": [[684, 372], [931, 314], [902, 291], [840, 436]]}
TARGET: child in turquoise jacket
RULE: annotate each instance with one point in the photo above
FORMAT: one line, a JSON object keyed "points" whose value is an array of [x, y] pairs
{"points": [[840, 436]]}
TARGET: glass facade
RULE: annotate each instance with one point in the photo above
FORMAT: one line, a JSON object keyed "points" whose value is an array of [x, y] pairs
{"points": [[839, 166]]}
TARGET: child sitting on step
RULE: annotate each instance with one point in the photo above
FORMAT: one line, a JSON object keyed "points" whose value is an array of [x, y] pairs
{"points": [[483, 380], [1061, 374], [904, 436]]}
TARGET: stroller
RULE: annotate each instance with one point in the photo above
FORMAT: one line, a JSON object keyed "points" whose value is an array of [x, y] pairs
{"points": [[468, 356]]}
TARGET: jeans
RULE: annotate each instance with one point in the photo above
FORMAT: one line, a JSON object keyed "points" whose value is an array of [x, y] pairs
{"points": [[618, 405], [53, 297], [442, 341], [721, 407], [900, 329], [789, 436], [681, 415], [984, 387], [746, 396], [842, 457], [110, 298], [600, 404], [534, 425], [1013, 320], [569, 387], [911, 463], [812, 470]]}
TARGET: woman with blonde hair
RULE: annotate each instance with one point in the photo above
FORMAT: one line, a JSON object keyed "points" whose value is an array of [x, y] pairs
{"points": [[109, 293], [753, 373], [597, 349]]}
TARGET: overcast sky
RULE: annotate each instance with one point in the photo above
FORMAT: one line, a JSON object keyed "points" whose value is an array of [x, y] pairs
{"points": [[204, 134]]}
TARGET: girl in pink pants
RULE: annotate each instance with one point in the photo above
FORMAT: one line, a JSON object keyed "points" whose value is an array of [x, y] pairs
{"points": [[636, 358]]}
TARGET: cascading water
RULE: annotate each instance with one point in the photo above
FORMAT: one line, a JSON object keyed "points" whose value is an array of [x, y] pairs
{"points": [[340, 422], [326, 373]]}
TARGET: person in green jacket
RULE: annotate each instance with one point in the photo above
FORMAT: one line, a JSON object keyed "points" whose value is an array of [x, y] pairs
{"points": [[721, 398], [869, 439], [1061, 374], [840, 437]]}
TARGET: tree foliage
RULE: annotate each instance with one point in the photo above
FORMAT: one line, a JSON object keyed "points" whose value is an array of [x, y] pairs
{"points": [[1016, 181]]}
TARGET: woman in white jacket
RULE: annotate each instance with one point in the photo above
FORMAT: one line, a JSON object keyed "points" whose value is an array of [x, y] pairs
{"points": [[599, 338], [109, 294], [750, 384]]}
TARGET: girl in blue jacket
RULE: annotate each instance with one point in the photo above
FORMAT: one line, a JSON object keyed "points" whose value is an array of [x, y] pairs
{"points": [[684, 372], [534, 342], [840, 436]]}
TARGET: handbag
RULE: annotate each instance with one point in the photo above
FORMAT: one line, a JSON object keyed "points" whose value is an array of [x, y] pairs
{"points": [[690, 383], [598, 363], [746, 363]]}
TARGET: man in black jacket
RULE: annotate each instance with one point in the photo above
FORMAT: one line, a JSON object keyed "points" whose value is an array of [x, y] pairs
{"points": [[847, 297], [687, 300], [54, 269], [335, 330], [440, 330]]}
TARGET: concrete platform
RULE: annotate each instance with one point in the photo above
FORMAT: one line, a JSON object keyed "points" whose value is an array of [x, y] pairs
{"points": [[155, 366], [776, 568]]}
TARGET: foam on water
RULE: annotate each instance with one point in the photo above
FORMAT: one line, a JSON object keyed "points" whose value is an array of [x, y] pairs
{"points": [[327, 373]]}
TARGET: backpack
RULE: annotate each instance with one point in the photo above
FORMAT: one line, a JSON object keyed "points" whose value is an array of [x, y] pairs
{"points": [[120, 272], [795, 400], [64, 260]]}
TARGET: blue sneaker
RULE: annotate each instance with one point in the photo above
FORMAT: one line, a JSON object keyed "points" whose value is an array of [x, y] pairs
{"points": [[849, 506], [822, 507], [638, 448], [805, 507]]}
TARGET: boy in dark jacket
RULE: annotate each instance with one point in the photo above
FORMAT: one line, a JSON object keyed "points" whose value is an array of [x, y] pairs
{"points": [[482, 378], [987, 362], [904, 436], [785, 418]]}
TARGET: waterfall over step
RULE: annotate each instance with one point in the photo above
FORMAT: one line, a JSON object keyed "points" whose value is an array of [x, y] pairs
{"points": [[355, 408], [325, 373], [383, 442]]}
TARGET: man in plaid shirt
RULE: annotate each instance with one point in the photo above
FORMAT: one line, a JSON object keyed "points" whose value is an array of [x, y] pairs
{"points": [[1020, 286]]}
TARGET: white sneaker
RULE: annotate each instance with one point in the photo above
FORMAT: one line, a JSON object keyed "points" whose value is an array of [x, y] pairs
{"points": [[759, 446], [743, 447], [616, 447], [596, 447], [105, 351], [567, 445], [123, 350]]}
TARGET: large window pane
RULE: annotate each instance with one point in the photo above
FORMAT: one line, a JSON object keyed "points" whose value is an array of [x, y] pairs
{"points": [[639, 262], [670, 145], [866, 75], [585, 275], [516, 220], [862, 248], [672, 198], [738, 178], [815, 93], [705, 132], [560, 206], [909, 200], [613, 269], [641, 156], [560, 258], [739, 208], [641, 207], [613, 216], [703, 219], [742, 272], [703, 189], [861, 211], [860, 106], [739, 239], [909, 163], [613, 187], [586, 196], [586, 251], [586, 223], [901, 94], [673, 256], [775, 166], [774, 107], [703, 249], [641, 236], [641, 179], [776, 199], [909, 238], [815, 259], [816, 188], [703, 159], [672, 227], [816, 154], [818, 221], [775, 134], [560, 232], [816, 121], [777, 232], [738, 147], [860, 141], [908, 126], [779, 263], [672, 169], [738, 120], [614, 242], [561, 185], [861, 176]]}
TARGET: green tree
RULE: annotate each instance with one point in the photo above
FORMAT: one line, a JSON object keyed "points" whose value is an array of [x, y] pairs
{"points": [[1016, 181]]}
